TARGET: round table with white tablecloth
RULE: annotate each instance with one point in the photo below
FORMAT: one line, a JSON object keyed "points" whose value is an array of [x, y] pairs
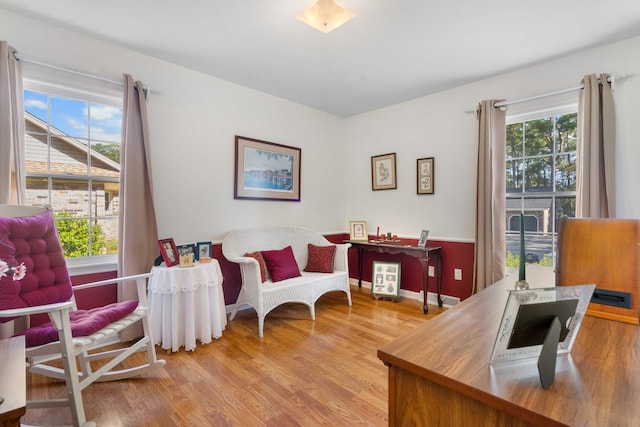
{"points": [[186, 304]]}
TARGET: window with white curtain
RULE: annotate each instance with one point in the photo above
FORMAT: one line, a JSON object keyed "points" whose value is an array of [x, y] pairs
{"points": [[541, 181], [73, 140]]}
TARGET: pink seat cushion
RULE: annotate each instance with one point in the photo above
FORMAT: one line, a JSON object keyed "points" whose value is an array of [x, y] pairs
{"points": [[83, 323], [33, 240], [281, 264]]}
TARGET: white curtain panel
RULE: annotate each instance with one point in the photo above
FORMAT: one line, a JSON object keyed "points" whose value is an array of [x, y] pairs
{"points": [[595, 187], [12, 151], [490, 247]]}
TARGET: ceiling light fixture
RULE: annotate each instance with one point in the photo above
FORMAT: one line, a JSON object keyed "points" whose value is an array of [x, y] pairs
{"points": [[325, 15]]}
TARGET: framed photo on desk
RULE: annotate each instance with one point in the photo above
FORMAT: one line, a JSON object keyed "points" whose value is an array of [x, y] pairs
{"points": [[423, 239], [385, 279]]}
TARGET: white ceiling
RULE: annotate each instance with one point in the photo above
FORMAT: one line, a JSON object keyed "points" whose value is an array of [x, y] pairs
{"points": [[392, 51]]}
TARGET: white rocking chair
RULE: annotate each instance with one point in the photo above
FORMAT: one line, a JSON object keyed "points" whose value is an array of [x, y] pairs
{"points": [[28, 238]]}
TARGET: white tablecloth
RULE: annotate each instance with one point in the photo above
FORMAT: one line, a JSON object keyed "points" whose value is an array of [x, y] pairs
{"points": [[186, 304]]}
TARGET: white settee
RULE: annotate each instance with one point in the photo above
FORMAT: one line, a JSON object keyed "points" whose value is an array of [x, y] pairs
{"points": [[306, 289]]}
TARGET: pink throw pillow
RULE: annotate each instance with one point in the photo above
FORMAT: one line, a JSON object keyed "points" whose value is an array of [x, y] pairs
{"points": [[281, 264], [263, 269], [320, 258]]}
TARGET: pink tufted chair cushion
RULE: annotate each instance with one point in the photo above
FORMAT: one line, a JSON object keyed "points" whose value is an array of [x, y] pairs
{"points": [[33, 240]]}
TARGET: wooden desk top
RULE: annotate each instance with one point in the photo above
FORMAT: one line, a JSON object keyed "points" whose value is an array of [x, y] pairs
{"points": [[12, 378], [597, 384]]}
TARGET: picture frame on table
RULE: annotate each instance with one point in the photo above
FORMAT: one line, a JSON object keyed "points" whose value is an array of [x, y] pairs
{"points": [[266, 170], [358, 231], [425, 175], [203, 250], [187, 254], [385, 279], [383, 172], [424, 236], [169, 252]]}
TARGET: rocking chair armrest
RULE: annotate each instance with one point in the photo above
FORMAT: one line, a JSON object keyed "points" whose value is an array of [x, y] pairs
{"points": [[112, 281], [27, 311]]}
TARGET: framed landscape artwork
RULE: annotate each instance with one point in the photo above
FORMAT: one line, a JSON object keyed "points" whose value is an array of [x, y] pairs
{"points": [[425, 176], [383, 172], [266, 171]]}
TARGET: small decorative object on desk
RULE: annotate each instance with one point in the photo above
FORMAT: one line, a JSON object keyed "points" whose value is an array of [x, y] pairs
{"points": [[522, 282]]}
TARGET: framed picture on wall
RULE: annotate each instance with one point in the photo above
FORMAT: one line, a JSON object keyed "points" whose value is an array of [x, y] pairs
{"points": [[169, 252], [425, 176], [266, 171], [383, 172], [385, 279]]}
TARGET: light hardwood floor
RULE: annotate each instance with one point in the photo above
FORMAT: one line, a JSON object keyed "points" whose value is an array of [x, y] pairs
{"points": [[303, 373]]}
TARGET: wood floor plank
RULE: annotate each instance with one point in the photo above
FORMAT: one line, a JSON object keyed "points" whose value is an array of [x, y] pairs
{"points": [[303, 373]]}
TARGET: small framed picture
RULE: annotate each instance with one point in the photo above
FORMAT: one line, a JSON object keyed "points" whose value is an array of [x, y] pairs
{"points": [[204, 250], [169, 252], [425, 176], [385, 279], [358, 231], [423, 239], [187, 255], [383, 172]]}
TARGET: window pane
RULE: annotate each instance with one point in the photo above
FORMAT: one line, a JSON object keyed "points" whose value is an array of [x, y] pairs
{"points": [[538, 137], [107, 242], [514, 176], [566, 128], [69, 117], [105, 160], [514, 140], [70, 197], [74, 235], [566, 172], [68, 156], [36, 104], [37, 192], [106, 123], [565, 206], [538, 174]]}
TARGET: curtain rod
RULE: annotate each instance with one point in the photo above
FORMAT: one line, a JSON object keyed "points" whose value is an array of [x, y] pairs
{"points": [[611, 79], [19, 57], [67, 70]]}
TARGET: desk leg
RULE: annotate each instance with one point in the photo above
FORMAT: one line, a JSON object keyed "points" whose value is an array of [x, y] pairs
{"points": [[360, 256], [425, 283]]}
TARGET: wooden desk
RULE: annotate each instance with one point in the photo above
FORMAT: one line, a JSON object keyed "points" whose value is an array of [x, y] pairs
{"points": [[439, 374], [12, 381], [423, 254]]}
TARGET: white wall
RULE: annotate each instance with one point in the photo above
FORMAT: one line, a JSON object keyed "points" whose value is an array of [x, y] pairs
{"points": [[193, 120], [438, 126]]}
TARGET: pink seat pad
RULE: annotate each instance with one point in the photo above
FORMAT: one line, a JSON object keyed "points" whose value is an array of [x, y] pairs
{"points": [[83, 323]]}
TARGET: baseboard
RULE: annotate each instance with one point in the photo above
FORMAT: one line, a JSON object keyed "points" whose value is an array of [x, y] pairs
{"points": [[432, 298]]}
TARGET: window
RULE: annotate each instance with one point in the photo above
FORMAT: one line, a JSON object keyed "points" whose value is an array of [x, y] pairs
{"points": [[541, 183], [72, 164]]}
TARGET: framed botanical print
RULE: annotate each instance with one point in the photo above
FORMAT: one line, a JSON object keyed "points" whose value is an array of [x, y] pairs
{"points": [[383, 172], [425, 176]]}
